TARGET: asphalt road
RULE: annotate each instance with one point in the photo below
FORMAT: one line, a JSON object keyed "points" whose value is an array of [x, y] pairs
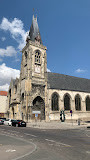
{"points": [[40, 144]]}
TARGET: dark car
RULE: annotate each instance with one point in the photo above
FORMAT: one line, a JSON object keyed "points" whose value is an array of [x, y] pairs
{"points": [[18, 123]]}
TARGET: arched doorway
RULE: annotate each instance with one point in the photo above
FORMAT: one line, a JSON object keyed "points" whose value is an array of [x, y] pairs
{"points": [[39, 107]]}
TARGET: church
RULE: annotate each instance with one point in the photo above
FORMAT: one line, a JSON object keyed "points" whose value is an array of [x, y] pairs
{"points": [[41, 95]]}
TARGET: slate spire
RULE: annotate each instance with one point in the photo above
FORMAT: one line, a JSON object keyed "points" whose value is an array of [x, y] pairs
{"points": [[34, 34]]}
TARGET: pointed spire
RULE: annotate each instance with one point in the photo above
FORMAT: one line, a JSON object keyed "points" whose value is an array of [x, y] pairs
{"points": [[34, 34]]}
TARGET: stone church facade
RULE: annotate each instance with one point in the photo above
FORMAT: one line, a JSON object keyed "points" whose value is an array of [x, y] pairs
{"points": [[41, 95]]}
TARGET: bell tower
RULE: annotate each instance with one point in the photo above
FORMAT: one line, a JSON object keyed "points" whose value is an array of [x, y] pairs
{"points": [[33, 75]]}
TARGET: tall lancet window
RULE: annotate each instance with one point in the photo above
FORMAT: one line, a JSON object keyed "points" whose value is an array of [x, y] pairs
{"points": [[67, 102], [55, 102], [88, 104], [77, 103]]}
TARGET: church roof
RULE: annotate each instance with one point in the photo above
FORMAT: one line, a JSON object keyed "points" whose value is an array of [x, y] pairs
{"points": [[3, 93], [34, 33], [65, 82]]}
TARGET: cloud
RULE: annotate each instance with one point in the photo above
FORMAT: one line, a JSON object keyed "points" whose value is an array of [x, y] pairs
{"points": [[4, 87], [15, 27], [48, 70], [81, 71], [6, 73], [3, 38], [9, 51]]}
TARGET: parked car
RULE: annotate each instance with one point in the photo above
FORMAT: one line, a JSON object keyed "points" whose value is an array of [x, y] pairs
{"points": [[19, 123], [1, 122], [8, 122]]}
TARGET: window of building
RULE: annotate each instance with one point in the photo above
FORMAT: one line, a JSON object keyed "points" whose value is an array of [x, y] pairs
{"points": [[88, 104], [15, 89], [22, 96], [77, 103], [25, 57], [67, 102], [55, 102], [37, 57]]}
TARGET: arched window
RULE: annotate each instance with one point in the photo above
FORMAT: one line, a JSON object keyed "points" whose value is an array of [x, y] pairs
{"points": [[15, 89], [88, 104], [55, 102], [37, 57], [67, 102], [25, 54], [77, 103], [25, 57], [22, 96]]}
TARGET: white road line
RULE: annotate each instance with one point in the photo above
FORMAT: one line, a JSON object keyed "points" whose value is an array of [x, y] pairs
{"points": [[20, 157], [87, 135], [50, 144], [30, 134], [10, 150], [88, 152], [50, 140], [58, 142]]}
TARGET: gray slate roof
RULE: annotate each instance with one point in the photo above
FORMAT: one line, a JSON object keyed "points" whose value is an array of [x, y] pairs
{"points": [[34, 30], [65, 82]]}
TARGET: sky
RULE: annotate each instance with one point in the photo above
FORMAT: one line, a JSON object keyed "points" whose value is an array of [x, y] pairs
{"points": [[65, 30]]}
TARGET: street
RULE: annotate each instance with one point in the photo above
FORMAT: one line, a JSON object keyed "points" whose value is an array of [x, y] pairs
{"points": [[41, 144]]}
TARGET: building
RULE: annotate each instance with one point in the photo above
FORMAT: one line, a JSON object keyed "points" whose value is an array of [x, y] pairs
{"points": [[41, 95], [3, 99]]}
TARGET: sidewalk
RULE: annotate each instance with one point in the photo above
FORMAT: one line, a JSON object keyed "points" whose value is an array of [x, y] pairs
{"points": [[57, 125]]}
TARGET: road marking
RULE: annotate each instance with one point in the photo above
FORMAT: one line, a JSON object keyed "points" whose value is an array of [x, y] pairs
{"points": [[88, 152], [31, 139], [30, 134], [58, 143], [87, 135], [20, 136], [50, 144], [10, 150], [50, 140], [35, 147]]}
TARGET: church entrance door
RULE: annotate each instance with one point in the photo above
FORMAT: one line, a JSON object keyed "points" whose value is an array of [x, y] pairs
{"points": [[38, 109]]}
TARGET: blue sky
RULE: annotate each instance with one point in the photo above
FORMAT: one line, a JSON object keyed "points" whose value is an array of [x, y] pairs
{"points": [[65, 31]]}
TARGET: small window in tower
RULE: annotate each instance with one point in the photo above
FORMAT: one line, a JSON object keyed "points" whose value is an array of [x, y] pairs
{"points": [[37, 57], [25, 57]]}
